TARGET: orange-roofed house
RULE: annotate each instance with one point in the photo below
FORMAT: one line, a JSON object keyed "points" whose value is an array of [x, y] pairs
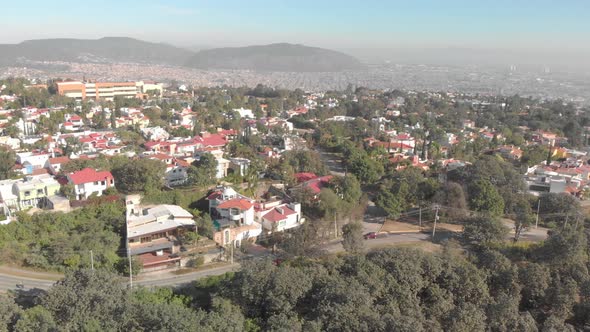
{"points": [[54, 164], [89, 181], [233, 217]]}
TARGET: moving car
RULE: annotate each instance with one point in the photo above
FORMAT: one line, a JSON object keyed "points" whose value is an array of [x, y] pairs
{"points": [[370, 235]]}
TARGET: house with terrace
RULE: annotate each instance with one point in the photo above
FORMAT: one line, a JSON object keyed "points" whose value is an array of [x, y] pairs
{"points": [[233, 217], [153, 232]]}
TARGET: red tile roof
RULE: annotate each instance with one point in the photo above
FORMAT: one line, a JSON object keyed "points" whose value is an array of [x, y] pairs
{"points": [[302, 177], [236, 203], [317, 184], [212, 140], [160, 156], [275, 214], [88, 175], [59, 160], [226, 132], [215, 195]]}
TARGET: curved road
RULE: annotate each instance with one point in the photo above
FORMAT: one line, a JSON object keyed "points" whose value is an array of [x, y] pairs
{"points": [[11, 281]]}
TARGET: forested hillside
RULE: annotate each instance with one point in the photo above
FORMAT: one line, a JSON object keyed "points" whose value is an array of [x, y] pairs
{"points": [[493, 288]]}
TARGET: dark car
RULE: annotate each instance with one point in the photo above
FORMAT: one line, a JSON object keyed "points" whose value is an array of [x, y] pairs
{"points": [[370, 235]]}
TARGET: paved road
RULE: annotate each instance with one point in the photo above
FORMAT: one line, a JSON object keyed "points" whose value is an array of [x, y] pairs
{"points": [[8, 281], [11, 282], [182, 279], [333, 161]]}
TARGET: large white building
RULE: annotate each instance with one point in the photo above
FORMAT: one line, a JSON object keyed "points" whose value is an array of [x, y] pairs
{"points": [[107, 90]]}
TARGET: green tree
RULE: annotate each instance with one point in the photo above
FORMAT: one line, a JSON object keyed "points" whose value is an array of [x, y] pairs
{"points": [[523, 216], [352, 234], [391, 203], [7, 162], [10, 312], [139, 175], [534, 155], [36, 319], [67, 190], [484, 197], [203, 171], [88, 298], [348, 187], [452, 196], [484, 230], [73, 146]]}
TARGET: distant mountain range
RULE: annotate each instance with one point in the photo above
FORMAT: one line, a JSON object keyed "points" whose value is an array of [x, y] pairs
{"points": [[274, 57], [108, 49]]}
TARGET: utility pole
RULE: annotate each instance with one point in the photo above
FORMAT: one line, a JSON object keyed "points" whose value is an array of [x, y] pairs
{"points": [[130, 269], [91, 260], [435, 220], [538, 209], [231, 252], [420, 218], [335, 227]]}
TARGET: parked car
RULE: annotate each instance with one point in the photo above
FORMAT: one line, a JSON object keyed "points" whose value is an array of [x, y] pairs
{"points": [[370, 235]]}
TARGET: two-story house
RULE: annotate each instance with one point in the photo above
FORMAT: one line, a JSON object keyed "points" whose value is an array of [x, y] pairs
{"points": [[233, 217], [89, 181], [28, 192], [276, 216]]}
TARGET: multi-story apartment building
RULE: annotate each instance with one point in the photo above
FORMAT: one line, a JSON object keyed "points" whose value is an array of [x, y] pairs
{"points": [[107, 90]]}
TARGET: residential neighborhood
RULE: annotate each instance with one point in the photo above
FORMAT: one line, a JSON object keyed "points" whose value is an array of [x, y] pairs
{"points": [[178, 182]]}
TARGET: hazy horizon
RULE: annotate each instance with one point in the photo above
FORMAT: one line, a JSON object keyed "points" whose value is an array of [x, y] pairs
{"points": [[534, 32]]}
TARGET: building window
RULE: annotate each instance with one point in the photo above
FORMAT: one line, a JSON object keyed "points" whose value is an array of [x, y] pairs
{"points": [[96, 183], [39, 191], [226, 236], [27, 193], [103, 183]]}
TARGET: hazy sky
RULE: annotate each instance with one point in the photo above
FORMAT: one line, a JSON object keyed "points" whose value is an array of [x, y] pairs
{"points": [[342, 24]]}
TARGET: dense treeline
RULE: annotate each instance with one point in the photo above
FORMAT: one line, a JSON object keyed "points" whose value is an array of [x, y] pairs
{"points": [[493, 288], [61, 241]]}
